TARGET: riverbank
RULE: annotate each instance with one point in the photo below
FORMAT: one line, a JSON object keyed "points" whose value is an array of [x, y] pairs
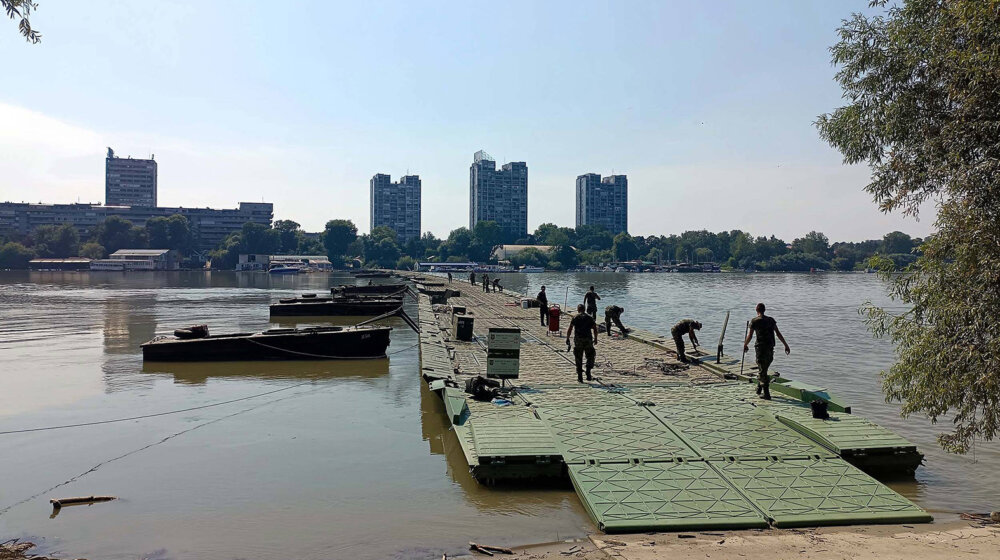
{"points": [[944, 541]]}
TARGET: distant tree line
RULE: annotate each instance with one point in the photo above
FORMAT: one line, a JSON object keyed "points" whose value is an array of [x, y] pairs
{"points": [[109, 235], [568, 247]]}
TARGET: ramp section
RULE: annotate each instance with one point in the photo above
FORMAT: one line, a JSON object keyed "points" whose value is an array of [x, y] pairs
{"points": [[611, 433], [661, 496], [818, 492]]}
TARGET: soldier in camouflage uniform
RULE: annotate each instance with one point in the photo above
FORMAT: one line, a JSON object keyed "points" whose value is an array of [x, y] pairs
{"points": [[766, 328]]}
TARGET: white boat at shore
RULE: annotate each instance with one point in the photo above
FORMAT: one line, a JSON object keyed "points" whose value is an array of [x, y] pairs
{"points": [[530, 269]]}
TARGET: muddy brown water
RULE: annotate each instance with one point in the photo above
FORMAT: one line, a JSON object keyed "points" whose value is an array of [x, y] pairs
{"points": [[340, 459]]}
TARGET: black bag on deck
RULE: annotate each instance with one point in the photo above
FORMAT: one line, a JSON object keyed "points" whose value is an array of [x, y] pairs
{"points": [[482, 389], [820, 409]]}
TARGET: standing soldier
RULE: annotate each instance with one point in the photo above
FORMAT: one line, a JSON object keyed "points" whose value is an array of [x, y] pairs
{"points": [[486, 282], [765, 328], [590, 300], [449, 278], [614, 313], [685, 327], [543, 306], [583, 327], [472, 278]]}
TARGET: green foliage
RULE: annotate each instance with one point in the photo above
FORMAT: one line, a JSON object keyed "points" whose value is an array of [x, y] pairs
{"points": [[92, 250], [922, 113], [251, 239], [530, 257], [56, 241], [15, 255], [563, 257], [291, 236], [115, 232], [813, 243], [794, 262], [625, 247], [406, 262], [20, 11], [486, 237], [170, 232], [338, 235]]}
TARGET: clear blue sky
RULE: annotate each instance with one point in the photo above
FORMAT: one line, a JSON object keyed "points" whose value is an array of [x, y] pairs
{"points": [[706, 106]]}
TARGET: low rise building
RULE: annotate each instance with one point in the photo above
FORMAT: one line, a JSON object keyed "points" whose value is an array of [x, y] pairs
{"points": [[69, 263], [138, 259]]}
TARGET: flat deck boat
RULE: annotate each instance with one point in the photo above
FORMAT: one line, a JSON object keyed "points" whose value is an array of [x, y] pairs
{"points": [[354, 306], [316, 343], [373, 289]]}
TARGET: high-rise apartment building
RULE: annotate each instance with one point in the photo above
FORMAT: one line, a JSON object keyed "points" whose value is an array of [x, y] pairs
{"points": [[501, 196], [602, 202], [396, 205], [129, 182]]}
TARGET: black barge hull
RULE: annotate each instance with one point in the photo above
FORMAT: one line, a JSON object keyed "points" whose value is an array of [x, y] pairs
{"points": [[326, 343], [354, 308]]}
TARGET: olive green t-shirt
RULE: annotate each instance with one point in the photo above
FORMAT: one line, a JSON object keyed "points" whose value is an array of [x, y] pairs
{"points": [[763, 327]]}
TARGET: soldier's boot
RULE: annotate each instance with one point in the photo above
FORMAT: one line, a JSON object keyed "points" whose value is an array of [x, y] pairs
{"points": [[767, 393], [589, 378], [579, 377]]}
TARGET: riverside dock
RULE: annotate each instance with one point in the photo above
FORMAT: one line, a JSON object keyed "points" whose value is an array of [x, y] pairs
{"points": [[653, 444]]}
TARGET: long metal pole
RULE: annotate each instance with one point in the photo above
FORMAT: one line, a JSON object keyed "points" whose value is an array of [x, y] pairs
{"points": [[743, 359]]}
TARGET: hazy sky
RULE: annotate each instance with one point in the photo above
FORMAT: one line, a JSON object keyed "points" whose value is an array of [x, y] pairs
{"points": [[706, 106]]}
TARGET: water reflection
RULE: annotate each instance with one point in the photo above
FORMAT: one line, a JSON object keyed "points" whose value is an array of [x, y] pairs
{"points": [[197, 373]]}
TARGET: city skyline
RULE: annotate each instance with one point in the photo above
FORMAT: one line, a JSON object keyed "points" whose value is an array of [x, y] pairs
{"points": [[711, 108]]}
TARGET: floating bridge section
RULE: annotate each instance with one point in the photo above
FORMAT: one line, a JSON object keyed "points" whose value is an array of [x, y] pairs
{"points": [[658, 448]]}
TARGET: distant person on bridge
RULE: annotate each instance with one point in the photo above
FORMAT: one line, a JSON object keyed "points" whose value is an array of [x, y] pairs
{"points": [[590, 300], [486, 282], [496, 284], [766, 328], [583, 328], [472, 278], [543, 306], [613, 313], [449, 278], [685, 327]]}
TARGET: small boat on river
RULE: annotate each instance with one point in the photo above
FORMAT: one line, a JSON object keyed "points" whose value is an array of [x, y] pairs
{"points": [[282, 269], [315, 343]]}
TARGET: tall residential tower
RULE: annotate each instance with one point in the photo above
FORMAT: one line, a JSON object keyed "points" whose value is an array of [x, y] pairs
{"points": [[602, 202], [501, 196], [129, 182], [396, 205]]}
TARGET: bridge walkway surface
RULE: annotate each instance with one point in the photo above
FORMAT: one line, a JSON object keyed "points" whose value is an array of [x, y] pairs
{"points": [[654, 444]]}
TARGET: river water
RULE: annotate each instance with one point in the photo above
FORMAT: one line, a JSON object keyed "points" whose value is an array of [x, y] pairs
{"points": [[342, 460]]}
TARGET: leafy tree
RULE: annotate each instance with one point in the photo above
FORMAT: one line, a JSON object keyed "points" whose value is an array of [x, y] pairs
{"points": [[655, 255], [310, 246], [337, 237], [380, 247], [290, 234], [15, 255], [259, 239], [703, 254], [794, 262], [486, 237], [530, 257], [406, 262], [56, 241], [457, 245], [624, 247], [170, 232], [814, 243], [922, 113], [896, 242], [115, 232], [21, 10], [593, 237], [563, 257], [92, 250]]}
